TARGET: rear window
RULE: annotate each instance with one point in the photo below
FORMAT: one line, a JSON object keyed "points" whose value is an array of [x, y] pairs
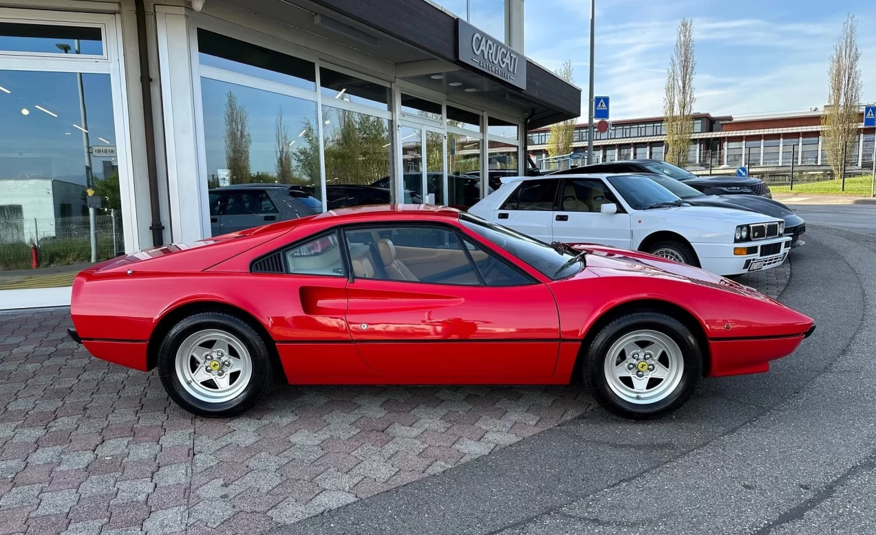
{"points": [[533, 195]]}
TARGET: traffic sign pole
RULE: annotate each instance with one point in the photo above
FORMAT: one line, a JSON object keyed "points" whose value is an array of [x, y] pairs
{"points": [[590, 116]]}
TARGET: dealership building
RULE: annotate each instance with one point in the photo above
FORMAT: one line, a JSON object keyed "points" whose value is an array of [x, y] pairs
{"points": [[124, 122], [766, 144]]}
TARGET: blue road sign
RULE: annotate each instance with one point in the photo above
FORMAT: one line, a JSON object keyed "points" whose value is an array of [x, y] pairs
{"points": [[870, 116], [742, 171], [600, 108]]}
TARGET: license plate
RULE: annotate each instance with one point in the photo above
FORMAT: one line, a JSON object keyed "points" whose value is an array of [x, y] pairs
{"points": [[756, 266]]}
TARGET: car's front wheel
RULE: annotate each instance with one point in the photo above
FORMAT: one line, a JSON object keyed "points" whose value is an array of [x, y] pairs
{"points": [[676, 251], [213, 364], [643, 365]]}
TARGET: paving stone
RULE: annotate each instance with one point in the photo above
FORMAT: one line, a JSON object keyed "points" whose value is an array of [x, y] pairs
{"points": [[90, 447]]}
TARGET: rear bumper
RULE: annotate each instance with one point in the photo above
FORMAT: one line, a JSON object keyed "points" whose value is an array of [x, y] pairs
{"points": [[71, 332], [750, 355], [130, 354]]}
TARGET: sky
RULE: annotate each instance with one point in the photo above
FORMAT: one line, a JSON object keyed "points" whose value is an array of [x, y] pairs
{"points": [[766, 56]]}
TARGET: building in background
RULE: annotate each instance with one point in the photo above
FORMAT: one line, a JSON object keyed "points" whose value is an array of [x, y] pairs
{"points": [[766, 144], [400, 98]]}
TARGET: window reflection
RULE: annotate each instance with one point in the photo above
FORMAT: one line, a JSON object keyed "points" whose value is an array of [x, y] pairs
{"points": [[498, 127], [463, 171], [357, 156], [50, 39], [246, 58], [58, 140], [255, 137], [435, 166], [412, 161], [502, 162], [345, 87]]}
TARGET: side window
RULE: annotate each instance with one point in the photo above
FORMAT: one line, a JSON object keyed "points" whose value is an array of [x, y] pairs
{"points": [[410, 254], [494, 270], [214, 204], [586, 195], [319, 256], [243, 202], [533, 195]]}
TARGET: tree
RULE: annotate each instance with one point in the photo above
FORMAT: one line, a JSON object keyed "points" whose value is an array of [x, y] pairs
{"points": [[237, 139], [306, 155], [284, 150], [108, 189], [679, 98], [562, 133], [841, 115]]}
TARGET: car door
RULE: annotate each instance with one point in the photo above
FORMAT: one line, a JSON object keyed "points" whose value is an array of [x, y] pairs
{"points": [[529, 208], [580, 218], [247, 208], [445, 321]]}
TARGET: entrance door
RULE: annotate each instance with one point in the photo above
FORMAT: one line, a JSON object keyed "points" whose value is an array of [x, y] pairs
{"points": [[64, 141], [423, 155]]}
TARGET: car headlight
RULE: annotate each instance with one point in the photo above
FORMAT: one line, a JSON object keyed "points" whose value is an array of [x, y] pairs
{"points": [[741, 233], [735, 189], [781, 228]]}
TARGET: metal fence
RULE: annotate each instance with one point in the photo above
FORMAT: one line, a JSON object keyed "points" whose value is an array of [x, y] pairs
{"points": [[58, 241]]}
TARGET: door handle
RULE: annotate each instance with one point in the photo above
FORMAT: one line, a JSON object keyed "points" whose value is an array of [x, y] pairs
{"points": [[214, 220], [503, 215], [562, 217], [270, 218]]}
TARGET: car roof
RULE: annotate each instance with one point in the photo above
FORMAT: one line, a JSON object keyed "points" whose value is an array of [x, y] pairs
{"points": [[510, 179], [410, 210], [253, 186]]}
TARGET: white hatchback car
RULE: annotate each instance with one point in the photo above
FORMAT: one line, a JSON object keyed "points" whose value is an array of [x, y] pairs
{"points": [[634, 212]]}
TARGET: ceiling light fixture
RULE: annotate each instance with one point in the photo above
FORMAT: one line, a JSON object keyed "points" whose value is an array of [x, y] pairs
{"points": [[105, 141], [341, 93], [5, 90], [302, 132], [293, 142], [79, 128], [327, 122], [455, 84], [37, 106], [471, 89], [25, 111], [437, 77]]}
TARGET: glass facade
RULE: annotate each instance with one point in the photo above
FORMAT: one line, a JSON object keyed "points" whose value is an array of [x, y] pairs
{"points": [[809, 155], [281, 142], [60, 154]]}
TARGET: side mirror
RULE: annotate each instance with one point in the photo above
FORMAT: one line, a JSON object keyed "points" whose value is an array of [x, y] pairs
{"points": [[608, 208]]}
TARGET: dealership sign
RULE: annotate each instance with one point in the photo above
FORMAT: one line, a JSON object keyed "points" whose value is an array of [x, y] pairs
{"points": [[480, 50]]}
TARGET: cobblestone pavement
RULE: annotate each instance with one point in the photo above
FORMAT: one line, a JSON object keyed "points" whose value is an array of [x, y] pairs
{"points": [[91, 447], [771, 282]]}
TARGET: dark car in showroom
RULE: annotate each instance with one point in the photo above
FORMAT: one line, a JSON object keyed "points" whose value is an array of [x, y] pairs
{"points": [[710, 185]]}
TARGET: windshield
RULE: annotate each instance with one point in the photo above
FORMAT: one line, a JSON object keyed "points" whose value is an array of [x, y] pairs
{"points": [[678, 188], [667, 169], [556, 263], [642, 193]]}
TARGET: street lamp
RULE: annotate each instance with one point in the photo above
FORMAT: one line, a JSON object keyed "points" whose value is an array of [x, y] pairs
{"points": [[89, 178]]}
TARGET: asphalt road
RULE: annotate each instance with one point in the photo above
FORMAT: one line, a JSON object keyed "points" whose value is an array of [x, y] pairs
{"points": [[855, 217], [787, 452]]}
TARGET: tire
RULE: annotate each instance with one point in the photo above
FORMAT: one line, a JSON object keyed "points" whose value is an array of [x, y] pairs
{"points": [[223, 384], [678, 251], [674, 353]]}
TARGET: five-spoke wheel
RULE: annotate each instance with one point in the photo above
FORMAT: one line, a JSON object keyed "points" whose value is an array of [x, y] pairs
{"points": [[642, 365], [213, 364]]}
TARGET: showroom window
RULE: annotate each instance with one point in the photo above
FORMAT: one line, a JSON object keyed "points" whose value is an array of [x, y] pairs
{"points": [[61, 108], [464, 142]]}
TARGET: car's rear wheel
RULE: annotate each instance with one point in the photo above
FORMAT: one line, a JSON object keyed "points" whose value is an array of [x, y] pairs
{"points": [[213, 364], [676, 251], [643, 365]]}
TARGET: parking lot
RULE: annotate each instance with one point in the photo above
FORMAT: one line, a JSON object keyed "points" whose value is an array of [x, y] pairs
{"points": [[91, 447]]}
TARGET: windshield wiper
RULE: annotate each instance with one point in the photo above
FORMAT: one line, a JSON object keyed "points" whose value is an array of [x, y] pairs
{"points": [[666, 204], [562, 248], [578, 258]]}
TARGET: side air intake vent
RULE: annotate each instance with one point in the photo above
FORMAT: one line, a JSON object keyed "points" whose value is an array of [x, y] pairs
{"points": [[269, 264]]}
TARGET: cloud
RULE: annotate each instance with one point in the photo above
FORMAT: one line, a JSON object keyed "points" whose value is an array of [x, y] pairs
{"points": [[774, 62]]}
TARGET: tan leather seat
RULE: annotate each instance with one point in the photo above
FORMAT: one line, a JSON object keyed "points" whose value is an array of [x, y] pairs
{"points": [[571, 201], [395, 269], [362, 268], [597, 199]]}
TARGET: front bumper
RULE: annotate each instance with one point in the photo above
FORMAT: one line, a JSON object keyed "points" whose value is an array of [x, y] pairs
{"points": [[71, 332], [743, 356], [719, 258], [794, 233]]}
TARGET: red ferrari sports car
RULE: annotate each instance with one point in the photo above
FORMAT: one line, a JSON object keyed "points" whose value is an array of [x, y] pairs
{"points": [[422, 295]]}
